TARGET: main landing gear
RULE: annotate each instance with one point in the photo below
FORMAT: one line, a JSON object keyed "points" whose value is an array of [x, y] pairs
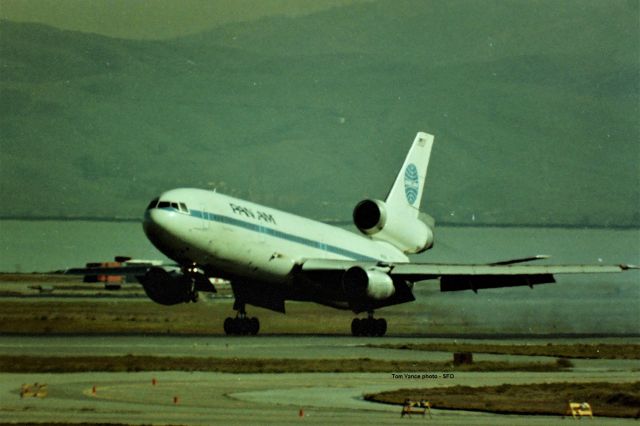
{"points": [[192, 296], [369, 326], [241, 325]]}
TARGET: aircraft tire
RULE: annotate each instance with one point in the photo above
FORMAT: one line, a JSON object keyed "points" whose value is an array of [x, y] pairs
{"points": [[380, 327], [372, 327], [229, 326], [254, 326], [357, 327], [368, 327], [241, 326], [365, 328]]}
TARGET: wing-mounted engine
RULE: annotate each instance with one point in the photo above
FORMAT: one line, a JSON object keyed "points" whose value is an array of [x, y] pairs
{"points": [[372, 283], [169, 287], [371, 287], [407, 232], [164, 284]]}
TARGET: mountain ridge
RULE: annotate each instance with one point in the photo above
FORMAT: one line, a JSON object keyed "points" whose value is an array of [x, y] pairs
{"points": [[532, 134]]}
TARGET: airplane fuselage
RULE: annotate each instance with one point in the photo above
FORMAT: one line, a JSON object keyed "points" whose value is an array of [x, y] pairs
{"points": [[243, 239]]}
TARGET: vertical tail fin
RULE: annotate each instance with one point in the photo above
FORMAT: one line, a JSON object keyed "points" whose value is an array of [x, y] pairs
{"points": [[398, 220], [406, 194]]}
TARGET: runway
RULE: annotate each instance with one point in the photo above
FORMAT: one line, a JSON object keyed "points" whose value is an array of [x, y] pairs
{"points": [[221, 398]]}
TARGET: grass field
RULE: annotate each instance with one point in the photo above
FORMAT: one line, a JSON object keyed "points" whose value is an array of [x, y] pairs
{"points": [[115, 316], [138, 315], [595, 351], [134, 363], [606, 399]]}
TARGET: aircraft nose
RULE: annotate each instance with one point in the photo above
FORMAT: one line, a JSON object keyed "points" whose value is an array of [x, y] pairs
{"points": [[158, 223], [149, 223]]}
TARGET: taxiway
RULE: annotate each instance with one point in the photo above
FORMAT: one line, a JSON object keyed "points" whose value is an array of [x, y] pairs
{"points": [[222, 398]]}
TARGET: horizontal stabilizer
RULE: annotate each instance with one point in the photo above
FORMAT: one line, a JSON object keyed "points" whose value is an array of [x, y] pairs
{"points": [[521, 260], [135, 269]]}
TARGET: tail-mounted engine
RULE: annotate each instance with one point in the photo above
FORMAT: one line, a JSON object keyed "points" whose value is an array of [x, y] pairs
{"points": [[410, 234]]}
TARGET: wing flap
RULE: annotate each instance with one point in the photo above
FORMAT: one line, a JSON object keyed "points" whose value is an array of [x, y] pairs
{"points": [[477, 282]]}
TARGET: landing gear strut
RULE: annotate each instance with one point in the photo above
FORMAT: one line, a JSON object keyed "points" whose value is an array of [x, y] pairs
{"points": [[191, 294], [369, 326], [241, 324]]}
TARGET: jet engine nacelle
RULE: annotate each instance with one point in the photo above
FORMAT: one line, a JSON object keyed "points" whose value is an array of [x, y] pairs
{"points": [[367, 283], [409, 234], [166, 288]]}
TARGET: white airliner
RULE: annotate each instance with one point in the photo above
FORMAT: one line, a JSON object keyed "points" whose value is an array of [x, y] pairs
{"points": [[271, 256]]}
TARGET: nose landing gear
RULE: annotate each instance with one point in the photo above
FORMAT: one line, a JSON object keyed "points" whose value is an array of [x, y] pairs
{"points": [[369, 326]]}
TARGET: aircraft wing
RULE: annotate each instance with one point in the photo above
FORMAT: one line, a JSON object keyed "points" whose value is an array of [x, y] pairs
{"points": [[457, 277], [474, 277]]}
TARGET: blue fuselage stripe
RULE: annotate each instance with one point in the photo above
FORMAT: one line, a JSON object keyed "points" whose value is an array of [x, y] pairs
{"points": [[213, 217]]}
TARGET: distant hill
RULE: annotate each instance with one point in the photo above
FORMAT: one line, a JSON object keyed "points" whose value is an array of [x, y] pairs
{"points": [[534, 105]]}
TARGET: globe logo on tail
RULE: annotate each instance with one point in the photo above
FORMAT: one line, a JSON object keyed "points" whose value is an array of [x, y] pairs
{"points": [[411, 183]]}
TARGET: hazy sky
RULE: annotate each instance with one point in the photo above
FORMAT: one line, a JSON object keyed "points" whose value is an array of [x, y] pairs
{"points": [[153, 19]]}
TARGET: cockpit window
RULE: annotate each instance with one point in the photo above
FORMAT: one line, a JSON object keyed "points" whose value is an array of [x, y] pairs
{"points": [[181, 207], [152, 204]]}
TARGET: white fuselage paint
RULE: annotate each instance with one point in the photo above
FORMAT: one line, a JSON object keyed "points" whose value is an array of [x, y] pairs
{"points": [[245, 239]]}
